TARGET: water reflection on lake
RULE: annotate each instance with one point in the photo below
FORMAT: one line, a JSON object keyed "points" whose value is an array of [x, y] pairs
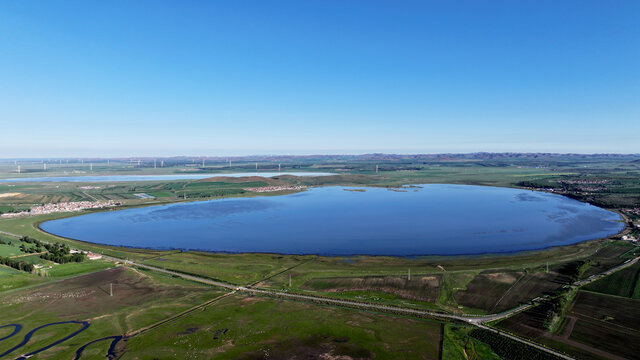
{"points": [[430, 219]]}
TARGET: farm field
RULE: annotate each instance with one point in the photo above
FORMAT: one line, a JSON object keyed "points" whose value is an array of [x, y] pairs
{"points": [[595, 326], [607, 323], [499, 291], [625, 283]]}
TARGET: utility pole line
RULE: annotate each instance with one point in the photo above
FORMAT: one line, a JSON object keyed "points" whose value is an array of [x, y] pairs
{"points": [[110, 289], [409, 277]]}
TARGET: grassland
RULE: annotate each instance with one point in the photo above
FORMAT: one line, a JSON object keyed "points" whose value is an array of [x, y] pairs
{"points": [[238, 269], [139, 299], [241, 327], [457, 344], [590, 328]]}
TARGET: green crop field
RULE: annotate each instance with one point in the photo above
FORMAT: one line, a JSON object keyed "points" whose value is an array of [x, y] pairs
{"points": [[624, 283]]}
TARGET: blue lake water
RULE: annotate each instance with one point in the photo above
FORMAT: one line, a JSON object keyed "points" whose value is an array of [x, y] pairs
{"points": [[432, 219], [114, 178]]}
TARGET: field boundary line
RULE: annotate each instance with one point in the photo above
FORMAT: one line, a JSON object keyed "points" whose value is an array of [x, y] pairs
{"points": [[609, 323], [176, 316], [508, 291], [281, 272]]}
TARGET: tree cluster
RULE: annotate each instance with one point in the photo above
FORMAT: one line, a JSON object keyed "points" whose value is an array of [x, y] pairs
{"points": [[16, 264], [59, 253]]}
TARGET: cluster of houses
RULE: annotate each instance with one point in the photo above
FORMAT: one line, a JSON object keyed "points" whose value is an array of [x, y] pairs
{"points": [[62, 207], [90, 255], [275, 188]]}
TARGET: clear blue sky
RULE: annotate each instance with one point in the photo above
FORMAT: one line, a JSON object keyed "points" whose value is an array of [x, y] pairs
{"points": [[118, 78]]}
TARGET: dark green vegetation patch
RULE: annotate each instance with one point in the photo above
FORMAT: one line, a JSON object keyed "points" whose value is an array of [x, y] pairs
{"points": [[510, 349], [625, 283]]}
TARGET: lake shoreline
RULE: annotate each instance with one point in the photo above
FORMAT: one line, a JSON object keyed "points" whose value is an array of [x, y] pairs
{"points": [[338, 253]]}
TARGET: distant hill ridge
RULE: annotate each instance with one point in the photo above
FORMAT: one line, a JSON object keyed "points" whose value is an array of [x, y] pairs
{"points": [[386, 157]]}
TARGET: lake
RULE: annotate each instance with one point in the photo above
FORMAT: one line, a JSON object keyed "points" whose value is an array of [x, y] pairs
{"points": [[116, 178], [430, 219]]}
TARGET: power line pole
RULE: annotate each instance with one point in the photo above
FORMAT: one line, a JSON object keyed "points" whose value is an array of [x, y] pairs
{"points": [[110, 289], [409, 276]]}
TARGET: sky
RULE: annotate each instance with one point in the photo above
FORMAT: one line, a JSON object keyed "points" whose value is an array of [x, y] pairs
{"points": [[163, 78]]}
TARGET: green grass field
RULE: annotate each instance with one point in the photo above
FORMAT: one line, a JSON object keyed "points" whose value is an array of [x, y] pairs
{"points": [[241, 327], [140, 299], [240, 269], [457, 344]]}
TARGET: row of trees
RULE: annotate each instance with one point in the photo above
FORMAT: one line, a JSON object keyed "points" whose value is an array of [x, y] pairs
{"points": [[62, 259], [16, 264]]}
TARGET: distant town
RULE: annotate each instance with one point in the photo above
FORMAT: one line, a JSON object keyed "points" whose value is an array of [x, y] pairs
{"points": [[264, 189], [62, 207]]}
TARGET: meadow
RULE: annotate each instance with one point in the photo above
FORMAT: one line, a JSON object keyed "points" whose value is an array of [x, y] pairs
{"points": [[253, 326]]}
